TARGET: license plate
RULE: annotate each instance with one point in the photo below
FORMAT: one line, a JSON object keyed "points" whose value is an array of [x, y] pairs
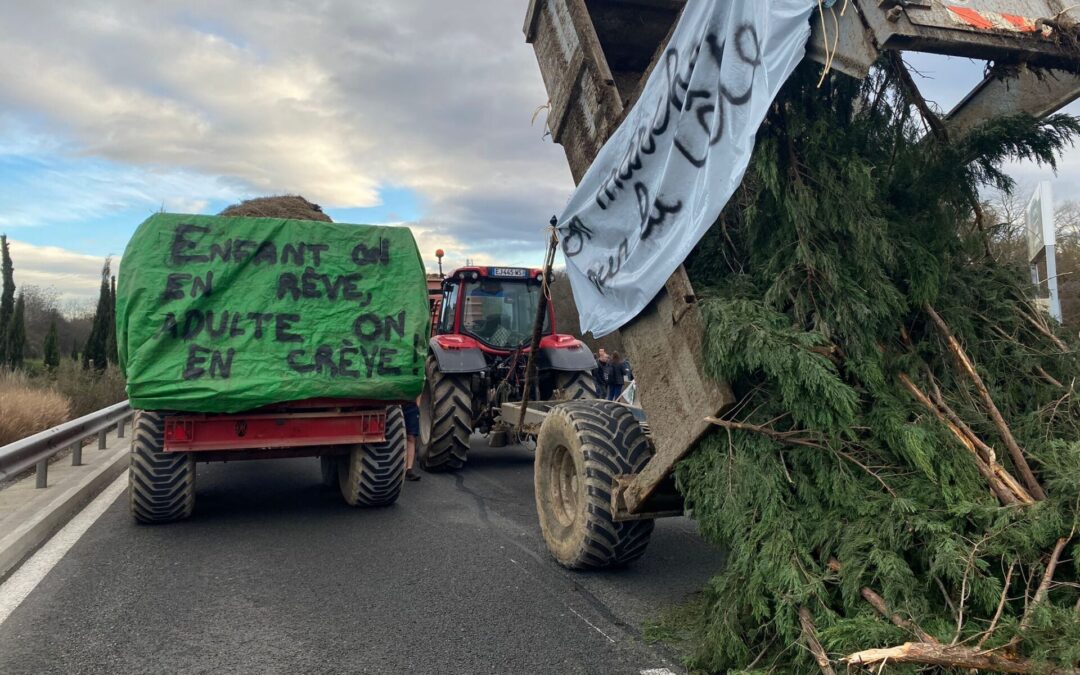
{"points": [[509, 272]]}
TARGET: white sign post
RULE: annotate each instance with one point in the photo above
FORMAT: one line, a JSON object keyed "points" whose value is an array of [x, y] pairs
{"points": [[1041, 238]]}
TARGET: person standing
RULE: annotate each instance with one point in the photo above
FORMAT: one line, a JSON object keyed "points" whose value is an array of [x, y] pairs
{"points": [[412, 430], [617, 374], [600, 373]]}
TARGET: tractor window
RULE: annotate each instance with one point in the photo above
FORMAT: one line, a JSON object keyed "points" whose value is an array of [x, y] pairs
{"points": [[500, 313], [446, 321]]}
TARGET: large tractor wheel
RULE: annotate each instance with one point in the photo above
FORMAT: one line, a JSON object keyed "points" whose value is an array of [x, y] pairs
{"points": [[582, 446], [445, 420], [161, 484], [576, 385], [372, 474]]}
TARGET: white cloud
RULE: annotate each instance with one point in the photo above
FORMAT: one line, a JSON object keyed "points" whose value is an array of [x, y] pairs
{"points": [[329, 99], [76, 277], [184, 103]]}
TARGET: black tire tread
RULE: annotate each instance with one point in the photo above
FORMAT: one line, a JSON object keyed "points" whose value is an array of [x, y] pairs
{"points": [[612, 443], [451, 421], [372, 474], [576, 385], [161, 485]]}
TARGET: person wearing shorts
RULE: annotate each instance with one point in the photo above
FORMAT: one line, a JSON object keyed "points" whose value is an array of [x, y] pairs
{"points": [[412, 430]]}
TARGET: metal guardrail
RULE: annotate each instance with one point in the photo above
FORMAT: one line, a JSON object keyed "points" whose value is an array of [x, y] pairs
{"points": [[39, 449]]}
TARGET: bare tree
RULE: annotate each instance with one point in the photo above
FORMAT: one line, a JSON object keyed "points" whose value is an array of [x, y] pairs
{"points": [[1067, 223]]}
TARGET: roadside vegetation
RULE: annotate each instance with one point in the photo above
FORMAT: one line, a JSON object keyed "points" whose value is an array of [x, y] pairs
{"points": [[898, 481], [27, 407], [57, 362]]}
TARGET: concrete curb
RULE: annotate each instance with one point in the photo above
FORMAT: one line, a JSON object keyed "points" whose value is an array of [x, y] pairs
{"points": [[37, 522]]}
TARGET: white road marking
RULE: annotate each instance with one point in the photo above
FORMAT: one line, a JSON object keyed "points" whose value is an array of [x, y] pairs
{"points": [[610, 639], [26, 578], [657, 671]]}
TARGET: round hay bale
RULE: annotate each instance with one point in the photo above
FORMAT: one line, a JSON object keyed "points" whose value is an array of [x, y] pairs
{"points": [[293, 207]]}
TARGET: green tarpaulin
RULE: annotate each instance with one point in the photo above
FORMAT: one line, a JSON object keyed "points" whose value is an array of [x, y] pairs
{"points": [[217, 314]]}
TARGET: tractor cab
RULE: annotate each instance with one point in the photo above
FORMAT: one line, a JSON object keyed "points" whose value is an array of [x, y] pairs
{"points": [[482, 325], [496, 306]]}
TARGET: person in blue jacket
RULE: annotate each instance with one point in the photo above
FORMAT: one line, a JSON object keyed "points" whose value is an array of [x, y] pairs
{"points": [[618, 373]]}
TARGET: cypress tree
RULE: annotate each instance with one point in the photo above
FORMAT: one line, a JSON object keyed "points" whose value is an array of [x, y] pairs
{"points": [[16, 335], [7, 295], [96, 350], [111, 352], [51, 348], [846, 291]]}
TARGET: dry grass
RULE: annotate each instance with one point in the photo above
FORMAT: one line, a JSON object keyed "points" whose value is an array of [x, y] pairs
{"points": [[87, 389], [26, 408], [281, 206]]}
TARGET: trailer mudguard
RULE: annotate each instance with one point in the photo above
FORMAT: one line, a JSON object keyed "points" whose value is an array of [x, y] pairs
{"points": [[457, 354], [564, 353]]}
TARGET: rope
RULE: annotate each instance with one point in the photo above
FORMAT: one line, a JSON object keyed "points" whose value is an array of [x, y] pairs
{"points": [[830, 52]]}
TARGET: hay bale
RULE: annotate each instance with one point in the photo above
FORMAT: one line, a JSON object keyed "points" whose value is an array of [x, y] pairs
{"points": [[294, 207]]}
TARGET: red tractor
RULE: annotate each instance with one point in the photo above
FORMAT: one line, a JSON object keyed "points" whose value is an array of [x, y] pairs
{"points": [[482, 331]]}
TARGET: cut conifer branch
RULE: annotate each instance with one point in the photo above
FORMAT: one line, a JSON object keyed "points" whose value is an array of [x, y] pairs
{"points": [[1017, 455], [876, 219], [1044, 330], [986, 452], [789, 437], [1048, 377], [879, 604], [1044, 585], [953, 656], [1007, 490], [813, 644], [915, 97], [1000, 608]]}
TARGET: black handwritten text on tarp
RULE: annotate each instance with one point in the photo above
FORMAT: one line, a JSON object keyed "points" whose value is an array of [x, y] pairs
{"points": [[208, 331]]}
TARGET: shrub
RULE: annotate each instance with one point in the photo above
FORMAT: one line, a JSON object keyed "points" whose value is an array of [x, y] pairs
{"points": [[26, 408], [88, 389]]}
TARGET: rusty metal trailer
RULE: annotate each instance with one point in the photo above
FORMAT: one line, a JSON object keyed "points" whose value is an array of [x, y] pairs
{"points": [[597, 493]]}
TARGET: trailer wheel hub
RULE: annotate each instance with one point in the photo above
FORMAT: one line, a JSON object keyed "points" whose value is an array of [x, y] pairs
{"points": [[564, 479]]}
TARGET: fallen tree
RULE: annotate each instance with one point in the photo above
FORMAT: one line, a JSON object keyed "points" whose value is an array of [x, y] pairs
{"points": [[899, 482]]}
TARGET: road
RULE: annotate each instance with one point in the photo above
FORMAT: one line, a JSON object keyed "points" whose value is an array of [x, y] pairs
{"points": [[274, 574]]}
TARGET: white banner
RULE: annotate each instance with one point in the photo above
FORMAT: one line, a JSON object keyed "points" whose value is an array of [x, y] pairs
{"points": [[663, 177]]}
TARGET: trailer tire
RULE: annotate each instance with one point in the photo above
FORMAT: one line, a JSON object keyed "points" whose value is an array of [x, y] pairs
{"points": [[372, 474], [445, 420], [328, 467], [576, 385], [161, 485], [582, 446]]}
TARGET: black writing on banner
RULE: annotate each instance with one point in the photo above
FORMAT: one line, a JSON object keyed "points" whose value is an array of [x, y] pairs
{"points": [[222, 325], [690, 117]]}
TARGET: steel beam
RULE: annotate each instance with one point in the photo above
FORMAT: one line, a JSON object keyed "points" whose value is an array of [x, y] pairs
{"points": [[1037, 93]]}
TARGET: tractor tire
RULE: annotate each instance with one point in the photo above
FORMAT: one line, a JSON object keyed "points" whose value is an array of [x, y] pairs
{"points": [[576, 385], [445, 421], [161, 485], [328, 467], [582, 446], [372, 474]]}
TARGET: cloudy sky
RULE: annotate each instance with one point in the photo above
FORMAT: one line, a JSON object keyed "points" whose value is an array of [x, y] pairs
{"points": [[410, 111]]}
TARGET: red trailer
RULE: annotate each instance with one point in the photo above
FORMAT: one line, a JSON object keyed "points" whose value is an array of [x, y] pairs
{"points": [[360, 445], [269, 332]]}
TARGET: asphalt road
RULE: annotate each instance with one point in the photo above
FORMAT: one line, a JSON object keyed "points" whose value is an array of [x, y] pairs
{"points": [[274, 574]]}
